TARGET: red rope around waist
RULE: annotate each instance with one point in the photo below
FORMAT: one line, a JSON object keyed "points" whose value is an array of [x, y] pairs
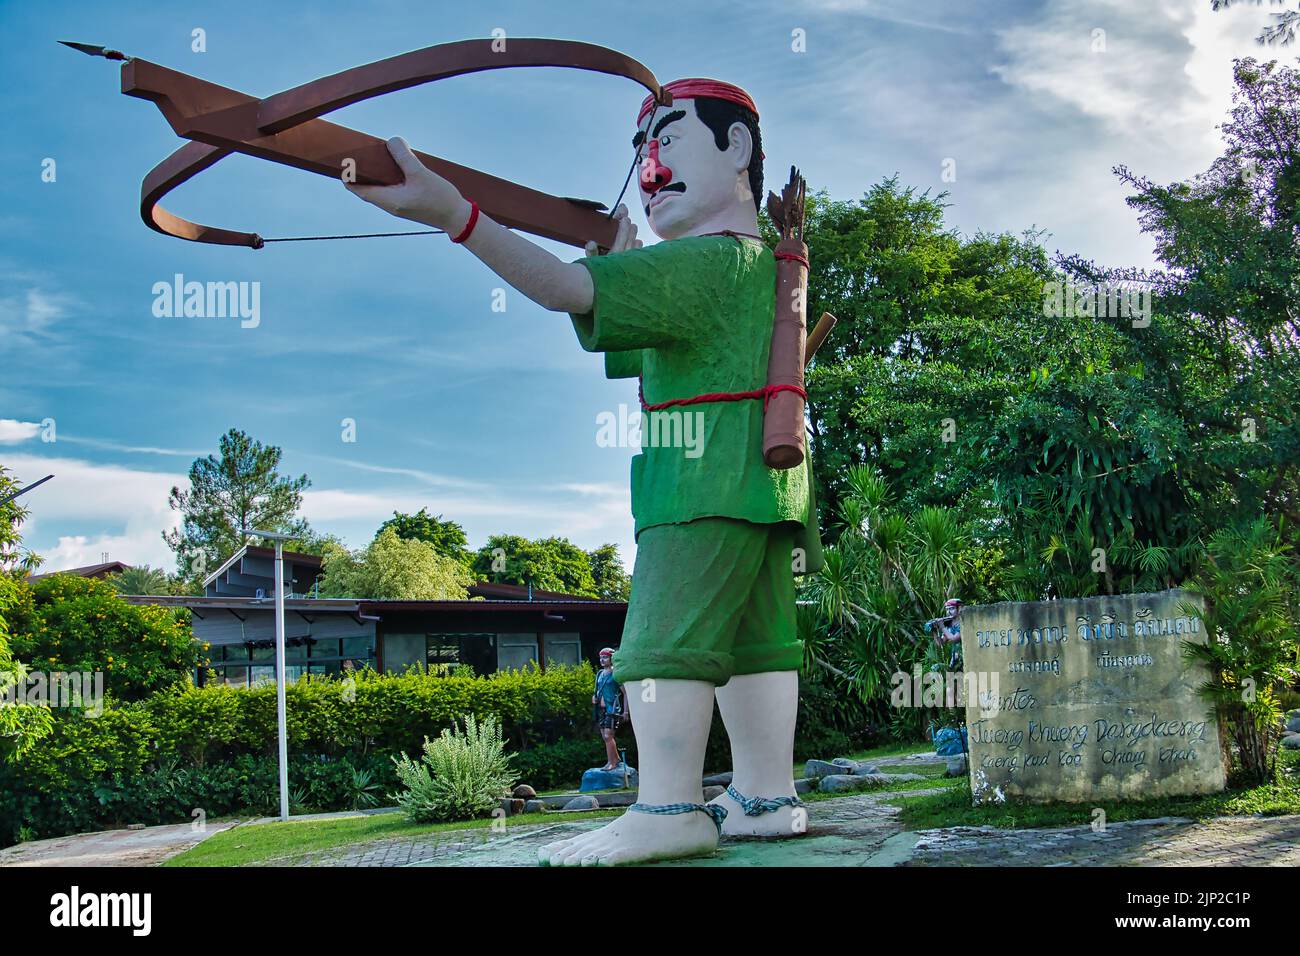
{"points": [[765, 393]]}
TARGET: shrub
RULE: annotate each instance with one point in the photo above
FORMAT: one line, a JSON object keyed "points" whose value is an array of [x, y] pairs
{"points": [[82, 625], [461, 776]]}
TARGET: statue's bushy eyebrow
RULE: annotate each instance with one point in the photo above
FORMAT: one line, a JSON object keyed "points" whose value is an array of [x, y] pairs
{"points": [[672, 117]]}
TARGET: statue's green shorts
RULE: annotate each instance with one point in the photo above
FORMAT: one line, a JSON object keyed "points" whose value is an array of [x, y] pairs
{"points": [[711, 598]]}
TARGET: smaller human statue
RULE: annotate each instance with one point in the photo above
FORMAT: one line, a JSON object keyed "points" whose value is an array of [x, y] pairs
{"points": [[947, 631], [608, 704]]}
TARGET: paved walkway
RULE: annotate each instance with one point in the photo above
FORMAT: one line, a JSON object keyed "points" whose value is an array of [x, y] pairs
{"points": [[863, 830], [858, 830], [149, 846]]}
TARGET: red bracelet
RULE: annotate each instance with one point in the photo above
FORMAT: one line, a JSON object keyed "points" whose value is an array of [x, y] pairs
{"points": [[469, 226]]}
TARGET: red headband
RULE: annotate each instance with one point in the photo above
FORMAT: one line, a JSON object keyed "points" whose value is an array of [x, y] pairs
{"points": [[691, 88]]}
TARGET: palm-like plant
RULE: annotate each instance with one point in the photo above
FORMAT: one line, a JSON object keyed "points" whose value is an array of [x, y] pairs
{"points": [[1249, 586], [868, 605], [141, 580]]}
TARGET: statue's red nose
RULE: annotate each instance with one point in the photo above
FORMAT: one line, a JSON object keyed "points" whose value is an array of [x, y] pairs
{"points": [[654, 174]]}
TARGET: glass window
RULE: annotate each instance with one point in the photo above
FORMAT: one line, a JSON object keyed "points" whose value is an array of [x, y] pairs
{"points": [[515, 651], [563, 649], [263, 653], [362, 647], [329, 647], [442, 649]]}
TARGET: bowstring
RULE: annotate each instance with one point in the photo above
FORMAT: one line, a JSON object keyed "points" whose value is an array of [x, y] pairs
{"points": [[627, 181], [636, 161]]}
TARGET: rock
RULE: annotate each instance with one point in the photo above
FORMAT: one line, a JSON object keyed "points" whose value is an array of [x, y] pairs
{"points": [[511, 806], [619, 798], [1291, 742], [583, 803], [956, 766], [717, 779], [804, 785], [845, 782], [525, 792], [865, 769], [816, 769], [850, 765], [712, 793], [597, 779], [890, 778], [534, 806], [1293, 724]]}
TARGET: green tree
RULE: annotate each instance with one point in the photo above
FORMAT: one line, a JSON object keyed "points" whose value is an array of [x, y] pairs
{"points": [[447, 537], [549, 564], [21, 725], [1225, 360], [609, 576], [82, 624], [394, 568], [239, 489]]}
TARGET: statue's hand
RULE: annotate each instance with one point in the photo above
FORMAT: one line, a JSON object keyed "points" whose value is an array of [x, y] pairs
{"points": [[624, 238], [423, 196]]}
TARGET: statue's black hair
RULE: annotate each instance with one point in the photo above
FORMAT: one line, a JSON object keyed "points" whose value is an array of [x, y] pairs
{"points": [[718, 115]]}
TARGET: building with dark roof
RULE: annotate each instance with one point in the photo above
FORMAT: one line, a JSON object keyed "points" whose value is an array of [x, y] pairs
{"points": [[501, 626]]}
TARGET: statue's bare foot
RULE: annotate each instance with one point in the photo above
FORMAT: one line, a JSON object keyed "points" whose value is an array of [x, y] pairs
{"points": [[636, 838], [782, 822]]}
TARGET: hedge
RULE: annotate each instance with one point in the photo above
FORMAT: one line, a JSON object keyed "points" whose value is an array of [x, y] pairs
{"points": [[213, 748]]}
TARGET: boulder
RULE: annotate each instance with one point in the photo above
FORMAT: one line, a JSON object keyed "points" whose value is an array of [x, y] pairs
{"points": [[717, 779], [850, 766], [583, 803], [712, 793], [865, 769], [816, 769], [596, 779], [511, 806], [534, 806], [525, 792], [846, 782], [1291, 741], [956, 766], [1293, 724], [804, 785]]}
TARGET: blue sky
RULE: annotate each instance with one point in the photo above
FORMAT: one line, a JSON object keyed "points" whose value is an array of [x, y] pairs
{"points": [[489, 417]]}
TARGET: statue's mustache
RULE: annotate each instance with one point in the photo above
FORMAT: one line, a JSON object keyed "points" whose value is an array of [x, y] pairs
{"points": [[670, 188]]}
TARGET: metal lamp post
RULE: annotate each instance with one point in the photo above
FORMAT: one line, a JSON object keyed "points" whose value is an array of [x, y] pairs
{"points": [[280, 676]]}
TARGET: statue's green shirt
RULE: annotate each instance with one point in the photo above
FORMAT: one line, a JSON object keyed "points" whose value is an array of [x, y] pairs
{"points": [[692, 316]]}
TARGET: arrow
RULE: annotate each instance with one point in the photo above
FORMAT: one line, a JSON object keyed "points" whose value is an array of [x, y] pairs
{"points": [[23, 491], [91, 50]]}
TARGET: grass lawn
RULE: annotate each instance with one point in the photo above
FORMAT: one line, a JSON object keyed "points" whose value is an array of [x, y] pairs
{"points": [[260, 843], [953, 808]]}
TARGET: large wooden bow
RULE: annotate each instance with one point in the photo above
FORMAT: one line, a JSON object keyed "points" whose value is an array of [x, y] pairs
{"points": [[286, 128]]}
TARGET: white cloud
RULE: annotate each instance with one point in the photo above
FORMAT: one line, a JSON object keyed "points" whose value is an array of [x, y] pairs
{"points": [[12, 431]]}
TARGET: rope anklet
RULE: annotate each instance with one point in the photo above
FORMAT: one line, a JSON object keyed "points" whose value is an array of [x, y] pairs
{"points": [[757, 806], [716, 813]]}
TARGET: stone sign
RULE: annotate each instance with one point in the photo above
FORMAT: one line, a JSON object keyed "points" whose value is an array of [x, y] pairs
{"points": [[1088, 699]]}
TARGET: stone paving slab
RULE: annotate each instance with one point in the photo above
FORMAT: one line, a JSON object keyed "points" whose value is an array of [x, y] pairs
{"points": [[148, 846], [1170, 841]]}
